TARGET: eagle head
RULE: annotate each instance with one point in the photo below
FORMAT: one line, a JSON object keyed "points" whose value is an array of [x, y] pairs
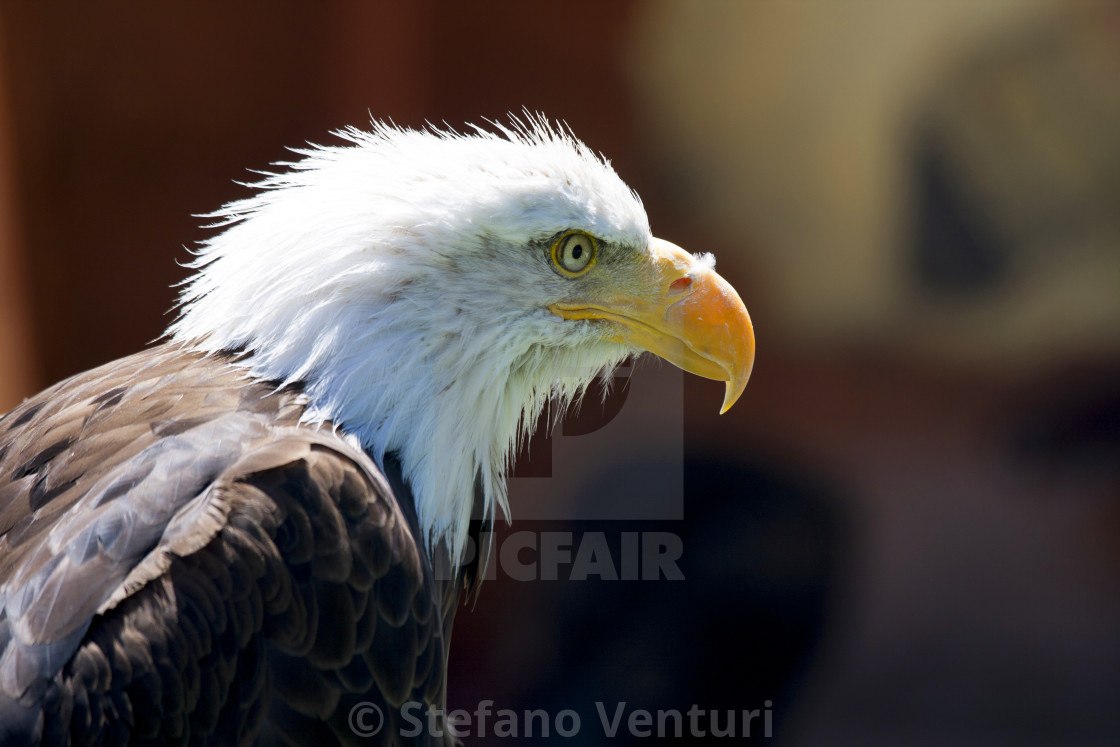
{"points": [[433, 290]]}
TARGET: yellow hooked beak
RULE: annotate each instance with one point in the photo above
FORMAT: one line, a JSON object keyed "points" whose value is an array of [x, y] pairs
{"points": [[692, 318]]}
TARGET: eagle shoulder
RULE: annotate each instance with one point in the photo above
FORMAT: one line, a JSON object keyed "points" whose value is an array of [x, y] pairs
{"points": [[179, 557]]}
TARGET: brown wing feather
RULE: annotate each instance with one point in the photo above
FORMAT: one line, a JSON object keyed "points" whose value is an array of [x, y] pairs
{"points": [[180, 560]]}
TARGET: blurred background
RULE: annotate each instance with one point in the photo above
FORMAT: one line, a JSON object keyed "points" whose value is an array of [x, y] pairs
{"points": [[908, 530]]}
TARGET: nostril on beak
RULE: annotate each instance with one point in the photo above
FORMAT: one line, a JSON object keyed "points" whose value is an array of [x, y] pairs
{"points": [[680, 285]]}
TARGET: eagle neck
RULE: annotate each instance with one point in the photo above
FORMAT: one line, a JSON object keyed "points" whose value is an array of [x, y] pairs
{"points": [[451, 411]]}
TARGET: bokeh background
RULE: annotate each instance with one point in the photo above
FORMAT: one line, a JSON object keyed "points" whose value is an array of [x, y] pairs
{"points": [[908, 530]]}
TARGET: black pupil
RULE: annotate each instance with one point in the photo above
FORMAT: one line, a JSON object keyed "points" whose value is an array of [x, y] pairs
{"points": [[577, 251]]}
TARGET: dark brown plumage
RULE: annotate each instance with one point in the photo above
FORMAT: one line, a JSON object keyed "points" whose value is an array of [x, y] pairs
{"points": [[261, 579]]}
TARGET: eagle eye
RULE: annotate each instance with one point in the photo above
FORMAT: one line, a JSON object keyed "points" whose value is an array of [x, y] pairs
{"points": [[574, 253]]}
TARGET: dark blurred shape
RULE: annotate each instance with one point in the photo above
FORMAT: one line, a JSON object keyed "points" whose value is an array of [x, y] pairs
{"points": [[1070, 421], [956, 249], [764, 551], [1016, 161]]}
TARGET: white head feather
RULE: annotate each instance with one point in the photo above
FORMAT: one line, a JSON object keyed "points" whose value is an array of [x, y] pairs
{"points": [[404, 279]]}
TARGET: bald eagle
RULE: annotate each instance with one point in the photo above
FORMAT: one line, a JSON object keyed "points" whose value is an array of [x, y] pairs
{"points": [[232, 536]]}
